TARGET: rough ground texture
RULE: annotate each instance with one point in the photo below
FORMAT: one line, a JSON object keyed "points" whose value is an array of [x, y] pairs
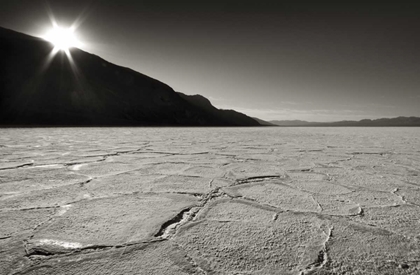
{"points": [[210, 201]]}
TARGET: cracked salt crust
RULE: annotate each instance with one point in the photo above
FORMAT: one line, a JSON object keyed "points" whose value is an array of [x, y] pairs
{"points": [[210, 201]]}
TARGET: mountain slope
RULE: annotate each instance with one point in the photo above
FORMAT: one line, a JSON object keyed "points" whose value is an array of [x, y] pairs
{"points": [[230, 116], [397, 121], [263, 122], [39, 89]]}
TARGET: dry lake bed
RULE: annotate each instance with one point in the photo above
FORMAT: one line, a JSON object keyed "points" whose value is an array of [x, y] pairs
{"points": [[210, 201]]}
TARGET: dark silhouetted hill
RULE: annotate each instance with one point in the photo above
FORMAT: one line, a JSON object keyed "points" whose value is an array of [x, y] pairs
{"points": [[40, 90], [263, 122], [397, 121], [230, 116]]}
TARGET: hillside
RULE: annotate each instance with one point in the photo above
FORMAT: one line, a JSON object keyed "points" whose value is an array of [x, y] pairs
{"points": [[38, 89]]}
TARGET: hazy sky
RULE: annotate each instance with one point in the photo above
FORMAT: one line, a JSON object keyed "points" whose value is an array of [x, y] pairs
{"points": [[320, 61]]}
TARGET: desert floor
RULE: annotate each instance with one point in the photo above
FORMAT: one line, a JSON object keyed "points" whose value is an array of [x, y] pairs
{"points": [[210, 201]]}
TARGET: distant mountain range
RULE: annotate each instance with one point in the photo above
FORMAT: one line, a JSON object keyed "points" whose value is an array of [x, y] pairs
{"points": [[398, 121], [37, 89], [263, 122]]}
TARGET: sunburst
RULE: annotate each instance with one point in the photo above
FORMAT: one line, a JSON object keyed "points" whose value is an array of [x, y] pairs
{"points": [[62, 38]]}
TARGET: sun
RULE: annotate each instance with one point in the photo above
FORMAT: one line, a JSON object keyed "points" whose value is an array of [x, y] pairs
{"points": [[62, 38]]}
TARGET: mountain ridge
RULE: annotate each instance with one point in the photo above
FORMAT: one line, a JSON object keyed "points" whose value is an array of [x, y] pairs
{"points": [[396, 121], [37, 89]]}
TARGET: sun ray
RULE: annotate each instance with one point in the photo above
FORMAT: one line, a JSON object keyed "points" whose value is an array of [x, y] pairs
{"points": [[62, 38]]}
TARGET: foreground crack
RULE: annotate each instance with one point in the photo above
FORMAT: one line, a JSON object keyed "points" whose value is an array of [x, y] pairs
{"points": [[194, 194], [266, 206], [395, 192], [82, 184], [170, 227], [38, 251], [322, 258], [41, 251], [371, 153], [301, 170], [257, 179], [317, 204], [17, 166], [30, 208]]}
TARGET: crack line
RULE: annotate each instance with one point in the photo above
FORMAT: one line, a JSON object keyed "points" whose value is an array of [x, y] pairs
{"points": [[322, 258]]}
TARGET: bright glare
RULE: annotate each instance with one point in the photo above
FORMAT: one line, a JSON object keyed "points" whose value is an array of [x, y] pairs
{"points": [[63, 39]]}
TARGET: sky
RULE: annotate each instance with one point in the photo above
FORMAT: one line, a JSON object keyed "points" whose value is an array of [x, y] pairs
{"points": [[275, 60]]}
